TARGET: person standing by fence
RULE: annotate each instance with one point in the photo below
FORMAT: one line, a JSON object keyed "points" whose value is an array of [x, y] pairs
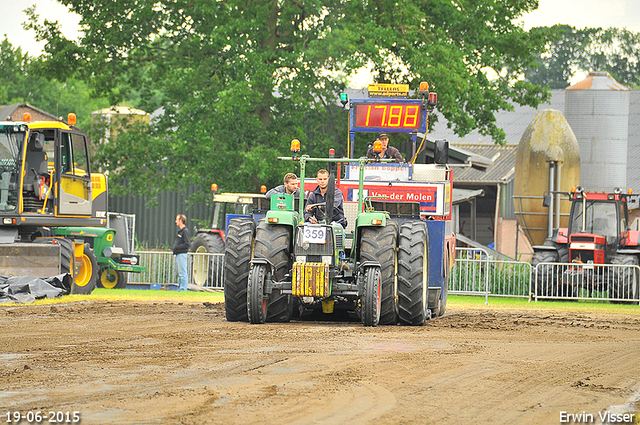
{"points": [[180, 249]]}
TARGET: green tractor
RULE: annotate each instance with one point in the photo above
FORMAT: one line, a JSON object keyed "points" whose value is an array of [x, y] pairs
{"points": [[282, 264], [109, 260]]}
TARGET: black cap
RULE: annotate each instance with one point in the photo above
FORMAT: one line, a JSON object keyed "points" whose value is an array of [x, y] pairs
{"points": [[383, 136]]}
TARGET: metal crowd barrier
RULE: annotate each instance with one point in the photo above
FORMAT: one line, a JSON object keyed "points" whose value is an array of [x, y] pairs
{"points": [[475, 272], [203, 269], [578, 281]]}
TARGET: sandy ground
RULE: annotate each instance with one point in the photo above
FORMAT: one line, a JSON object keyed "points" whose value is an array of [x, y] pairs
{"points": [[165, 363]]}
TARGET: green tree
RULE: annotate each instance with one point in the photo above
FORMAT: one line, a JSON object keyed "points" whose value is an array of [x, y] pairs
{"points": [[15, 84], [571, 51], [21, 82], [239, 79]]}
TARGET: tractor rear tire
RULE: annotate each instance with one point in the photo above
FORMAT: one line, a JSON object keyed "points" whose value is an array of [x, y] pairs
{"points": [[206, 270], [413, 274], [547, 283], [111, 279], [257, 300], [273, 242], [237, 257], [379, 244], [370, 300], [625, 284], [87, 278]]}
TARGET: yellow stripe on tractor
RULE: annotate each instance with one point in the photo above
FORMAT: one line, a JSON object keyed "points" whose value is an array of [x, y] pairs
{"points": [[310, 280]]}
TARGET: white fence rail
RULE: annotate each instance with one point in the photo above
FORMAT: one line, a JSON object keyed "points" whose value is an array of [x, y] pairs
{"points": [[607, 282], [204, 269], [475, 273]]}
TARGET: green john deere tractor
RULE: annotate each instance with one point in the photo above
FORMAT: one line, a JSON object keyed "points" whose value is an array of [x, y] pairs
{"points": [[283, 265]]}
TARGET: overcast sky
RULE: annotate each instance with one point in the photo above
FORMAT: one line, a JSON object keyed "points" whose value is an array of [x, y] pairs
{"points": [[578, 13]]}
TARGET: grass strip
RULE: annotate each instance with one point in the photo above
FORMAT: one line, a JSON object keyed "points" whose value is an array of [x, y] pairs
{"points": [[506, 303], [454, 301]]}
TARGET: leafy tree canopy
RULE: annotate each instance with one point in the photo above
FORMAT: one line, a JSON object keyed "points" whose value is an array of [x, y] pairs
{"points": [[20, 82], [237, 80], [571, 51]]}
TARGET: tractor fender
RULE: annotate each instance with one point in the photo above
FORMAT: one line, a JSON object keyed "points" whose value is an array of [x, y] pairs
{"points": [[632, 238], [368, 264], [272, 270], [628, 251], [286, 218], [559, 236], [538, 248]]}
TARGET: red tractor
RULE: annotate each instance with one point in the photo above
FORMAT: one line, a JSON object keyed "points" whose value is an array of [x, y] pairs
{"points": [[598, 234]]}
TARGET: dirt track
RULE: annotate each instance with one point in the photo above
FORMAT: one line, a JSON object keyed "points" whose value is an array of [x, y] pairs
{"points": [[132, 363]]}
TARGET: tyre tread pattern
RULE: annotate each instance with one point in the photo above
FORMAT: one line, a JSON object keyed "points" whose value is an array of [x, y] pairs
{"points": [[237, 256], [255, 294], [273, 242], [547, 286], [369, 300], [623, 286], [212, 242], [414, 242], [379, 244]]}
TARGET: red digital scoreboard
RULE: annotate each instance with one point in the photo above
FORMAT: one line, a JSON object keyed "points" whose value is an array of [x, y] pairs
{"points": [[393, 116]]}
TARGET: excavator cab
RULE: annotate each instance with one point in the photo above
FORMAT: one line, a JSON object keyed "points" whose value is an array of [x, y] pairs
{"points": [[12, 137], [36, 182]]}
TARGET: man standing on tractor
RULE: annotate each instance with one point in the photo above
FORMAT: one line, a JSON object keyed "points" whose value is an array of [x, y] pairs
{"points": [[387, 151], [290, 187], [316, 202]]}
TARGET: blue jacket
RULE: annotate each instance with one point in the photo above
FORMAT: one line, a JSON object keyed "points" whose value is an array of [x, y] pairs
{"points": [[316, 197]]}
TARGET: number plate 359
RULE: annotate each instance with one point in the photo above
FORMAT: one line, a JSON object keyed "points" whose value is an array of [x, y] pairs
{"points": [[314, 234]]}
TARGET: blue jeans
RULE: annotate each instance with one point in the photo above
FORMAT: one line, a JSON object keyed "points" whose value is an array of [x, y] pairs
{"points": [[181, 262]]}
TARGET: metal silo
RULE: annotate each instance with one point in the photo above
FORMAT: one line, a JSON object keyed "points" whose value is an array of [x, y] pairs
{"points": [[597, 109], [548, 158]]}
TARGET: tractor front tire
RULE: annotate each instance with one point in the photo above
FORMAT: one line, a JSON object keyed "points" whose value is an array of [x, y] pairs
{"points": [[205, 269], [379, 244], [257, 300], [370, 300], [111, 279], [413, 273], [273, 242], [87, 278], [237, 257]]}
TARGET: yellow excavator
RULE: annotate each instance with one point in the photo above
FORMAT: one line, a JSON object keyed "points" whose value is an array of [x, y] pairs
{"points": [[53, 209]]}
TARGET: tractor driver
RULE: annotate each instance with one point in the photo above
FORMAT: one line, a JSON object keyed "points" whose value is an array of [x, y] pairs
{"points": [[290, 187], [314, 212], [387, 151]]}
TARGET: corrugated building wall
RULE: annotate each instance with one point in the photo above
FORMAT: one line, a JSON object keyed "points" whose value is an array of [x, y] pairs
{"points": [[597, 109], [507, 210], [155, 225]]}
